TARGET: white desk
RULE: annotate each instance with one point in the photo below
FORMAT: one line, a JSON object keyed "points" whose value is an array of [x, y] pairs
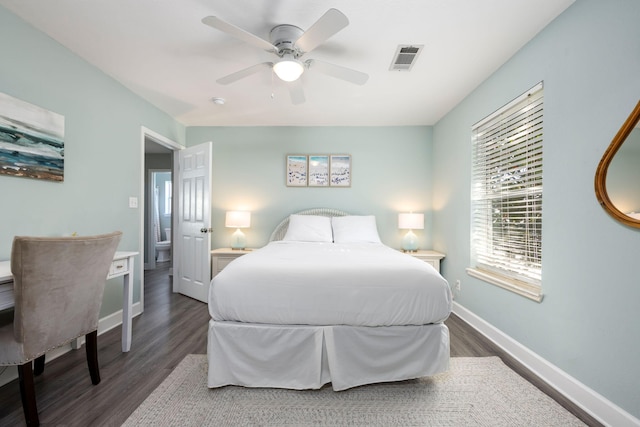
{"points": [[122, 265]]}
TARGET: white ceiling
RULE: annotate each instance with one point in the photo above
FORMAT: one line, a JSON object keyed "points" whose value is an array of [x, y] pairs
{"points": [[162, 51]]}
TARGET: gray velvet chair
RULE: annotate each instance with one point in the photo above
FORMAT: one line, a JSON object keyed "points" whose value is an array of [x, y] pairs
{"points": [[58, 288]]}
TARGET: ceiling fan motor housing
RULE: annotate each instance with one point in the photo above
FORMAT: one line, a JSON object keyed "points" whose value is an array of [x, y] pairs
{"points": [[284, 38]]}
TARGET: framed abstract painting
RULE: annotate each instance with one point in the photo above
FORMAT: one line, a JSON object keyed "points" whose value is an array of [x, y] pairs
{"points": [[340, 170], [296, 170], [318, 170], [31, 140]]}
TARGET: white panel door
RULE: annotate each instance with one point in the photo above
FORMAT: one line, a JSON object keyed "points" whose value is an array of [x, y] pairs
{"points": [[193, 238]]}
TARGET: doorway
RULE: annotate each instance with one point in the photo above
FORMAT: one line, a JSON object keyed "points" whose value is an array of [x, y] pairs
{"points": [[157, 155], [157, 160]]}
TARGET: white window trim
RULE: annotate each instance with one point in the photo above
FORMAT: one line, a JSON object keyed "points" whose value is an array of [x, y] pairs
{"points": [[526, 289], [521, 288]]}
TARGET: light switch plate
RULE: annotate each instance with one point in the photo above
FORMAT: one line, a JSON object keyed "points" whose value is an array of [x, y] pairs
{"points": [[133, 202]]}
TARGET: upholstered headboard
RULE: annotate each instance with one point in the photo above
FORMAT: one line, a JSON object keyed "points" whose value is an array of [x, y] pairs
{"points": [[281, 229]]}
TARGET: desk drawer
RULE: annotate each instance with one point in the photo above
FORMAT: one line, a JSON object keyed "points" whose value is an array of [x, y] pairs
{"points": [[6, 295], [118, 267]]}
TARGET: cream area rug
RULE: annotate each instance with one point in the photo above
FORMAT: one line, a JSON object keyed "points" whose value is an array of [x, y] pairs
{"points": [[474, 392]]}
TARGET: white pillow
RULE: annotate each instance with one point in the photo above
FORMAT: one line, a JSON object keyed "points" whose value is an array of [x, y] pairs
{"points": [[355, 229], [309, 228]]}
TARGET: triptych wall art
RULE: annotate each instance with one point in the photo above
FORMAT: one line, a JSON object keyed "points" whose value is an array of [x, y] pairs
{"points": [[31, 140], [319, 170]]}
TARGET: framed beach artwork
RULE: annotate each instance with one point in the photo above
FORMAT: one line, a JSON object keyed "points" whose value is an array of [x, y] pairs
{"points": [[296, 170], [340, 170], [318, 170], [31, 140]]}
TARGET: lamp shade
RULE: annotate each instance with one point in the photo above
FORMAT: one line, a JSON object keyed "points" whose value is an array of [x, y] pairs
{"points": [[411, 221], [237, 219], [288, 68]]}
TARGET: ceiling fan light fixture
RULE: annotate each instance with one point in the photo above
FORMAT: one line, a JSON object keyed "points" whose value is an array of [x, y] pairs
{"points": [[288, 69]]}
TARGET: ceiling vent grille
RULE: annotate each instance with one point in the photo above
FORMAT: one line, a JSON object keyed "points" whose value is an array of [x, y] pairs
{"points": [[405, 57]]}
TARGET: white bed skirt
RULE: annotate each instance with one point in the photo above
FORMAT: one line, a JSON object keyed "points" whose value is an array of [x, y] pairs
{"points": [[307, 357]]}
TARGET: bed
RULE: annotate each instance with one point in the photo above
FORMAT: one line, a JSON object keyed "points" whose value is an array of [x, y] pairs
{"points": [[326, 302]]}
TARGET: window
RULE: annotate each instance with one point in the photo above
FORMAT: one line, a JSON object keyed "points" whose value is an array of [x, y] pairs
{"points": [[167, 198], [506, 196]]}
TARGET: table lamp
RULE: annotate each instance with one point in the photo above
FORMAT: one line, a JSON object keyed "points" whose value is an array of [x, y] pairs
{"points": [[410, 221], [238, 220]]}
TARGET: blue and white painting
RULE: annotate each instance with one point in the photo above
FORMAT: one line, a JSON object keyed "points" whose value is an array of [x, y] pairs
{"points": [[31, 140], [318, 171], [296, 171], [340, 170]]}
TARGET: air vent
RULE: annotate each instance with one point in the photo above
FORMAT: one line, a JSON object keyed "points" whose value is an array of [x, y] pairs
{"points": [[405, 57]]}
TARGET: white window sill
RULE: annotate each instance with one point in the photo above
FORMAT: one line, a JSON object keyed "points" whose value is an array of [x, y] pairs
{"points": [[523, 289]]}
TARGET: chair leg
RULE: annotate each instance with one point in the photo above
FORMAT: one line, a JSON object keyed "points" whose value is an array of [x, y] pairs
{"points": [[38, 368], [28, 394], [92, 356]]}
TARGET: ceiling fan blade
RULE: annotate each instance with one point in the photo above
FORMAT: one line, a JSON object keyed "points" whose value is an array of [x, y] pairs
{"points": [[342, 73], [296, 92], [239, 33], [325, 27], [234, 77]]}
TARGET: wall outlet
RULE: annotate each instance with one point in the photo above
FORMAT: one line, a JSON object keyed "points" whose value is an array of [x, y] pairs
{"points": [[457, 287], [133, 202]]}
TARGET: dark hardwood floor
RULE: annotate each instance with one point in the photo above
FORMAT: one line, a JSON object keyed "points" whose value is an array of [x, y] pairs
{"points": [[171, 327]]}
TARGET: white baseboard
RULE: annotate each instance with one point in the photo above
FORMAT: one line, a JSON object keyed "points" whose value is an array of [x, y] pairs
{"points": [[114, 320], [10, 373], [590, 401]]}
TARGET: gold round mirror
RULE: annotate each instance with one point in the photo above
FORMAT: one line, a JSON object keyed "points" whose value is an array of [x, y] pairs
{"points": [[618, 173]]}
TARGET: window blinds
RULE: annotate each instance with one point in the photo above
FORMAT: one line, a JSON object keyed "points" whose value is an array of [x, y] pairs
{"points": [[506, 193]]}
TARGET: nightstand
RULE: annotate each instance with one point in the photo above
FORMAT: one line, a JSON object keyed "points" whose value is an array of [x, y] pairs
{"points": [[221, 257], [430, 257]]}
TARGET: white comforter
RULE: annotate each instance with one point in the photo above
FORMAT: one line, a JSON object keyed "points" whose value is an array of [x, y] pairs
{"points": [[365, 284]]}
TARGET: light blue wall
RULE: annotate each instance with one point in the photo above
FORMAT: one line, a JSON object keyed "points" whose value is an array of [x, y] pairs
{"points": [[588, 324], [391, 173], [102, 146]]}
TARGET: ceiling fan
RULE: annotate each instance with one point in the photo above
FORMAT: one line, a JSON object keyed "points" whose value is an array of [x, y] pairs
{"points": [[290, 43]]}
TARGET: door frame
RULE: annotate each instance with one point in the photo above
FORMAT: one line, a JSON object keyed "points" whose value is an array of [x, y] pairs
{"points": [[146, 133]]}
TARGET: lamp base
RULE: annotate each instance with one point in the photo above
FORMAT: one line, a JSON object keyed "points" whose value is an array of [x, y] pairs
{"points": [[238, 240], [410, 242]]}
